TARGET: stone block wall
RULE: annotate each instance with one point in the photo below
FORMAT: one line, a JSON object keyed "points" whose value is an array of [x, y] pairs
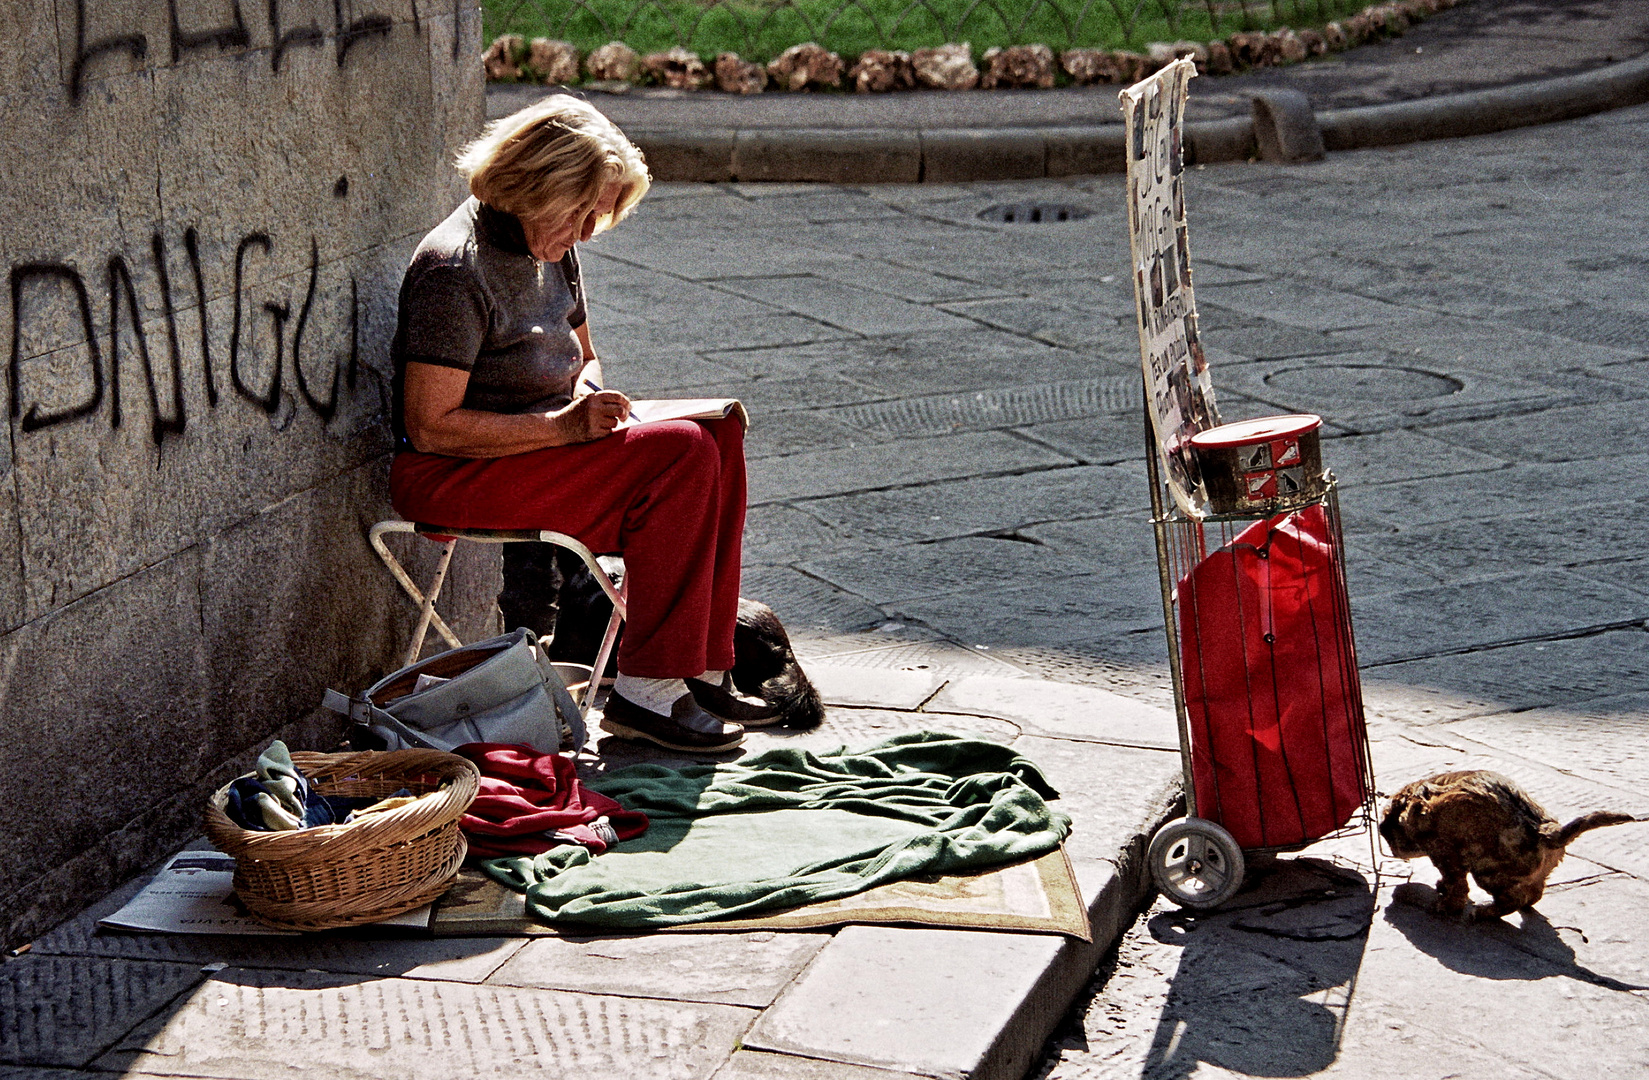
{"points": [[207, 208]]}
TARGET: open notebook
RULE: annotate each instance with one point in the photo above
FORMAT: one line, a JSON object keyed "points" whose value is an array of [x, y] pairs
{"points": [[647, 412]]}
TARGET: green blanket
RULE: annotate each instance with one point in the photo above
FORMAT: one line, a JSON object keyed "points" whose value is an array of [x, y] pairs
{"points": [[790, 827]]}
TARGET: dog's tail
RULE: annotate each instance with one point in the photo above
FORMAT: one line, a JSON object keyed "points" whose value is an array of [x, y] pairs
{"points": [[799, 702], [1597, 819]]}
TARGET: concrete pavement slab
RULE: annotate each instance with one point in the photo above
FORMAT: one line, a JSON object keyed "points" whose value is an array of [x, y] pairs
{"points": [[1083, 713], [816, 429], [66, 1010], [909, 572], [1133, 665], [249, 1025], [943, 509], [873, 688], [926, 1001], [847, 307], [1116, 794], [1432, 965], [777, 534], [861, 726], [939, 657], [726, 969], [1490, 490], [1596, 542], [1526, 676], [1261, 338], [754, 1065], [1422, 622], [996, 407], [1299, 304], [1605, 739], [1110, 440], [912, 461], [455, 959], [806, 603], [1005, 616], [1549, 435], [1061, 326], [1591, 925]]}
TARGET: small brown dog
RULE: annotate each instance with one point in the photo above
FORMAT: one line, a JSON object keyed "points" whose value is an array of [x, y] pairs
{"points": [[1483, 824]]}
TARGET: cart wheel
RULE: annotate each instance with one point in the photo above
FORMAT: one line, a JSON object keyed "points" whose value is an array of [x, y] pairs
{"points": [[1195, 863]]}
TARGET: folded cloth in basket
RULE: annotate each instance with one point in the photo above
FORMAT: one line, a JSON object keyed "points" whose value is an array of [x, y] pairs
{"points": [[531, 802], [279, 798]]}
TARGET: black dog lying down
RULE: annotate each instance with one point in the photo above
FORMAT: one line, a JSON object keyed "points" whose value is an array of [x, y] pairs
{"points": [[763, 663]]}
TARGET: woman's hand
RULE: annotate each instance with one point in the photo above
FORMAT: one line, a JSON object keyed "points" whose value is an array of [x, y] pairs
{"points": [[593, 416]]}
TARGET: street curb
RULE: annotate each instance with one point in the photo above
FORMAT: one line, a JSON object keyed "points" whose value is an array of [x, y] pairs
{"points": [[949, 155]]}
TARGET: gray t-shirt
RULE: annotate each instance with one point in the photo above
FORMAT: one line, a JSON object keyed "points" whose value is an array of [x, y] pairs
{"points": [[476, 300]]}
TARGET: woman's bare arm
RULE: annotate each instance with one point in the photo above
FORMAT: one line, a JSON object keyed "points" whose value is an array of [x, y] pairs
{"points": [[437, 422], [590, 375]]}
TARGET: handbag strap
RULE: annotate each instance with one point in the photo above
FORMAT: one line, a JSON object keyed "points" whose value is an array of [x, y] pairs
{"points": [[362, 711]]}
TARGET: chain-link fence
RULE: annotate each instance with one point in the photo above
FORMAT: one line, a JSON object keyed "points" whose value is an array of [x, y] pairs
{"points": [[761, 29]]}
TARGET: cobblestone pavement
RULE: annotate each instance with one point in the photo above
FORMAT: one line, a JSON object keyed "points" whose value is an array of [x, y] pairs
{"points": [[946, 473]]}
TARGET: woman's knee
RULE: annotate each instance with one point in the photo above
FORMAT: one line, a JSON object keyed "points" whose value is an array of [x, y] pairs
{"points": [[678, 444]]}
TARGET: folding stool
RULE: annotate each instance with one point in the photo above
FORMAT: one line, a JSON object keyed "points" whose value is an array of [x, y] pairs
{"points": [[448, 539]]}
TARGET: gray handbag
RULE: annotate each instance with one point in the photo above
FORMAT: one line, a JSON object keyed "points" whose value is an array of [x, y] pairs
{"points": [[502, 690]]}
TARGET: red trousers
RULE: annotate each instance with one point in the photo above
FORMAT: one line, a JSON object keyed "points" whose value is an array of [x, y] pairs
{"points": [[668, 496]]}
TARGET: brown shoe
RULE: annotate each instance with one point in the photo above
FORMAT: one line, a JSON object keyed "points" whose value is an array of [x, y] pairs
{"points": [[628, 720], [726, 703]]}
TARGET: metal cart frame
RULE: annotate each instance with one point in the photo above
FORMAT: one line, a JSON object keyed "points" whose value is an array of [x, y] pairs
{"points": [[1193, 860]]}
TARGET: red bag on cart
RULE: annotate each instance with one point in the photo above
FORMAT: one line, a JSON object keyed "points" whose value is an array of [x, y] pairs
{"points": [[1271, 690]]}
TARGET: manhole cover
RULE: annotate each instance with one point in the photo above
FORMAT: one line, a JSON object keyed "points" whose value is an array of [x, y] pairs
{"points": [[1363, 382], [1035, 213]]}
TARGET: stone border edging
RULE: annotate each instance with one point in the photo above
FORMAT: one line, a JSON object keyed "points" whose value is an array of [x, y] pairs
{"points": [[1482, 112], [951, 155]]}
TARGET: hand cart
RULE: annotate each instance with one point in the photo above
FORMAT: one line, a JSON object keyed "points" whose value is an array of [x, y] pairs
{"points": [[1266, 691]]}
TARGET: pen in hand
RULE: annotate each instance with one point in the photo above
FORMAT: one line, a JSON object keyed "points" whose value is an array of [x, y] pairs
{"points": [[595, 388]]}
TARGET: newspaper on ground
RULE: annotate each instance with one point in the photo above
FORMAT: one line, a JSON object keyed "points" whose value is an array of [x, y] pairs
{"points": [[1177, 380], [194, 894]]}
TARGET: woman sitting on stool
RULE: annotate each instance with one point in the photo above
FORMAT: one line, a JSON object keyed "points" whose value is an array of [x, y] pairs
{"points": [[502, 422]]}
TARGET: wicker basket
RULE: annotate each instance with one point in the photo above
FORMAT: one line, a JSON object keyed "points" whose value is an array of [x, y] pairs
{"points": [[344, 875]]}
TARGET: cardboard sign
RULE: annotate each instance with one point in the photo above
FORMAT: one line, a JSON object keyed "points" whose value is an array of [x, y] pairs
{"points": [[1176, 372]]}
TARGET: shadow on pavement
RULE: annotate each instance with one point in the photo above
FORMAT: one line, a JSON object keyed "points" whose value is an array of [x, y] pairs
{"points": [[1493, 949], [1263, 985]]}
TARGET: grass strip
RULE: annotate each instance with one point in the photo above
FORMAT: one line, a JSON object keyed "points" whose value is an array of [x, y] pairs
{"points": [[761, 29]]}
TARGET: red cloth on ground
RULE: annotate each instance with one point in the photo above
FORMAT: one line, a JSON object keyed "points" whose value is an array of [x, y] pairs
{"points": [[668, 496], [531, 802]]}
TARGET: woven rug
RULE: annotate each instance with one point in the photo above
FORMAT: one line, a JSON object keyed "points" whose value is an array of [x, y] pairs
{"points": [[1039, 895]]}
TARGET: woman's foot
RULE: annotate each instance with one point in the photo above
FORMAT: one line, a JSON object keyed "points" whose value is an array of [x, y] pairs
{"points": [[636, 709], [715, 693]]}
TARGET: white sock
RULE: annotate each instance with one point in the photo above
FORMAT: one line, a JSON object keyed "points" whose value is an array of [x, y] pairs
{"points": [[711, 676], [654, 695]]}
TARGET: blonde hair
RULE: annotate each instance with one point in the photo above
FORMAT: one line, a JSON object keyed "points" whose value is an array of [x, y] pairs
{"points": [[554, 158]]}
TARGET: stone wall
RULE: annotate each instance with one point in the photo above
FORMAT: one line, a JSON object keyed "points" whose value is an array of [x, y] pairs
{"points": [[207, 207]]}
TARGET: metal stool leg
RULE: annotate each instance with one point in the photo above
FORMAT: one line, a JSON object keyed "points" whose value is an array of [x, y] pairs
{"points": [[607, 642], [427, 610], [429, 617], [375, 537]]}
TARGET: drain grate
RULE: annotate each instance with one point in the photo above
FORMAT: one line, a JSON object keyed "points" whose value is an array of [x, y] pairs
{"points": [[1034, 213], [1011, 407]]}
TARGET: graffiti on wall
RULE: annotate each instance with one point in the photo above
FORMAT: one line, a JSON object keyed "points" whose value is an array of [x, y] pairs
{"points": [[87, 325], [289, 340], [348, 28]]}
